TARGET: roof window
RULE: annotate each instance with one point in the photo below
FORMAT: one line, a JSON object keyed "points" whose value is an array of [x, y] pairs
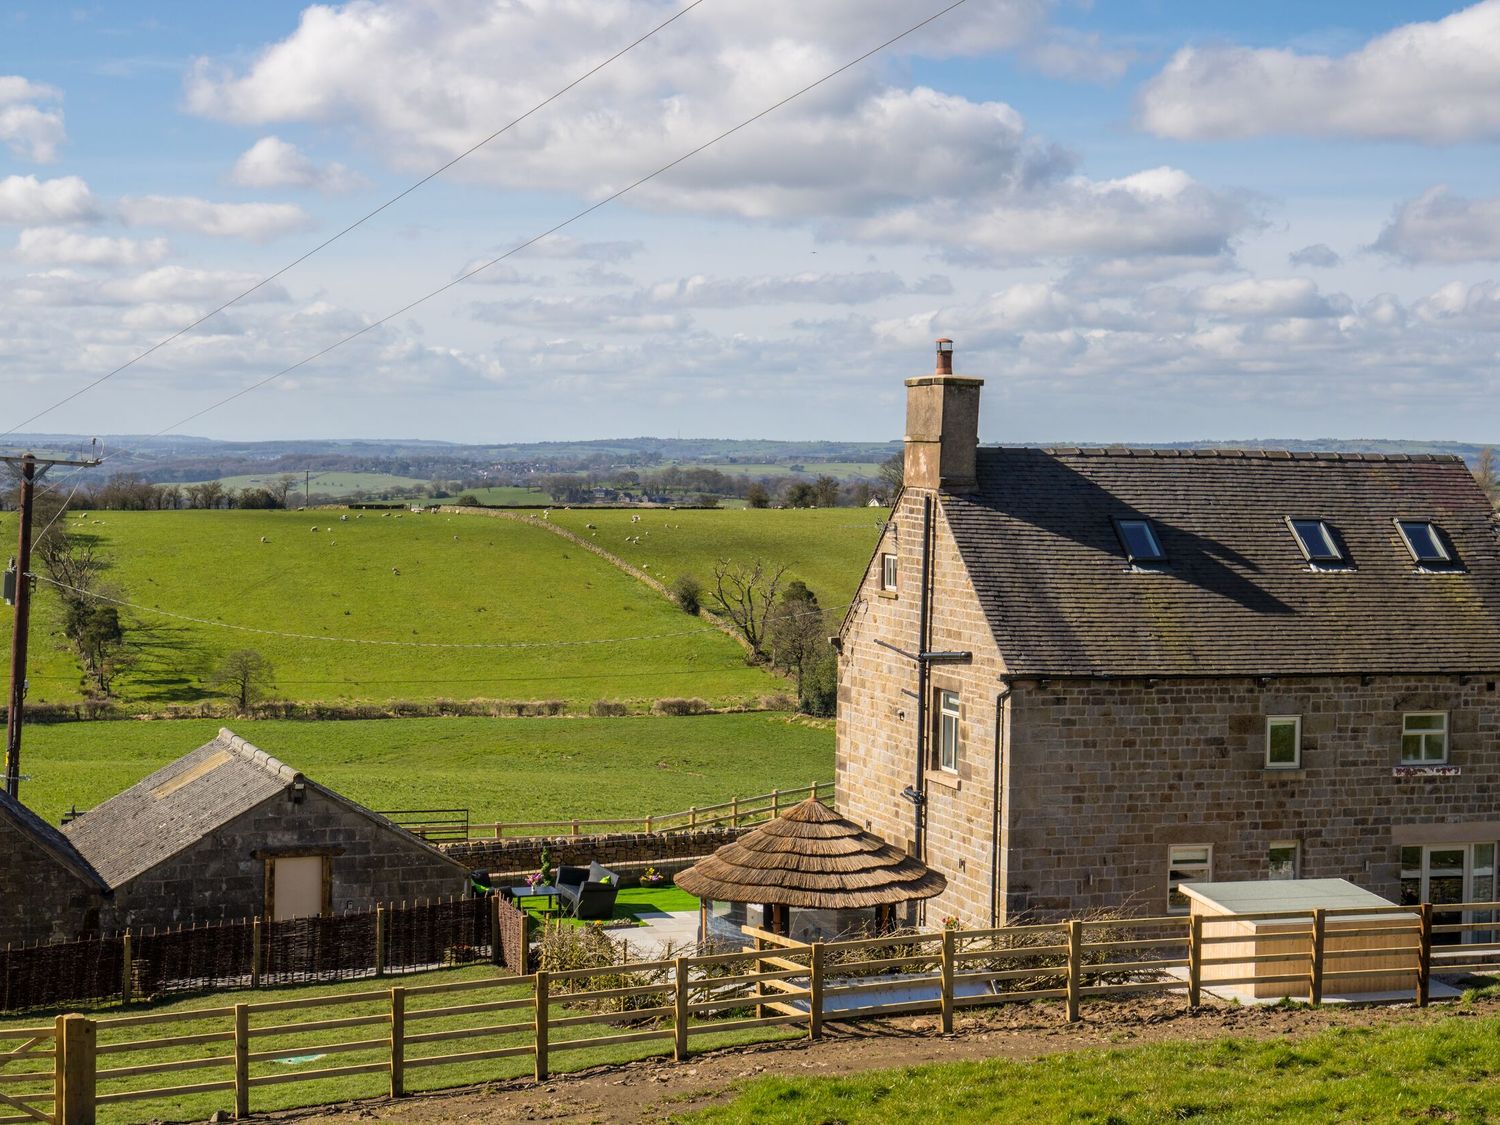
{"points": [[1139, 539], [1317, 541], [1426, 542]]}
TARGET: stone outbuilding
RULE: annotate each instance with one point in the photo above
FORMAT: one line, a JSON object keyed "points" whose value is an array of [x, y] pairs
{"points": [[230, 832], [809, 874], [48, 892], [1075, 678]]}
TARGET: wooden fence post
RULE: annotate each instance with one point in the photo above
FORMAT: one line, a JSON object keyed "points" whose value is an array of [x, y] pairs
{"points": [[379, 940], [575, 828], [255, 941], [1315, 969], [1424, 956], [648, 824], [946, 977], [1195, 960], [1075, 966], [693, 817], [680, 1011], [73, 1074], [775, 803], [542, 1005], [734, 812], [815, 992], [242, 1060], [126, 969], [398, 1042]]}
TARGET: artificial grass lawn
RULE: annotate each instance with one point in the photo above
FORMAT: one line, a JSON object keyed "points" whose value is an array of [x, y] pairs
{"points": [[300, 1045], [826, 548], [1447, 1070], [461, 581], [629, 904], [501, 769]]}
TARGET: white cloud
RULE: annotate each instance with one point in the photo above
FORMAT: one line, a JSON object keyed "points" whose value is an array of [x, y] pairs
{"points": [[1267, 298], [257, 222], [1438, 226], [568, 248], [67, 199], [31, 123], [272, 162], [60, 246], [1318, 255], [1432, 83], [166, 284], [1465, 306], [868, 154]]}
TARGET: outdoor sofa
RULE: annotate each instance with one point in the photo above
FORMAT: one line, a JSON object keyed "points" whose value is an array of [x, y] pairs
{"points": [[587, 892]]}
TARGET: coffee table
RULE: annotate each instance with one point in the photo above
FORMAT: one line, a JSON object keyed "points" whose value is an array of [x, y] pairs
{"points": [[541, 890]]}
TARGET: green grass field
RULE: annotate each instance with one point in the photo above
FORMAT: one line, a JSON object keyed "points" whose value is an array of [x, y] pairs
{"points": [[499, 496], [828, 549], [1447, 1070], [501, 769], [401, 595]]}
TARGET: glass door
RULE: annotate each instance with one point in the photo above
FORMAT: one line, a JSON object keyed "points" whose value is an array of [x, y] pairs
{"points": [[1445, 875]]}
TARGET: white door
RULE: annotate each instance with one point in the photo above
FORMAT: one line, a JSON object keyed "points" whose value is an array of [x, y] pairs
{"points": [[296, 887]]}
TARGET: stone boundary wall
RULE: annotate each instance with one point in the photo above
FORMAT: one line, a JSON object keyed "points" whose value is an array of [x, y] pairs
{"points": [[524, 855]]}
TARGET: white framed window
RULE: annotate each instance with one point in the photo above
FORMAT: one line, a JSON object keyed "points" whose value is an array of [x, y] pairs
{"points": [[889, 571], [1424, 738], [1284, 742], [948, 740], [1139, 539], [1284, 859], [1317, 540], [1446, 875], [1187, 863], [1424, 539]]}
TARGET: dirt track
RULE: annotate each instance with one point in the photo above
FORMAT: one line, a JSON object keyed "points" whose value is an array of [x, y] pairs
{"points": [[654, 1089]]}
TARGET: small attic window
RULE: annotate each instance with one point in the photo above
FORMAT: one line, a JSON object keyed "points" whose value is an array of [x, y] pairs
{"points": [[1426, 543], [1139, 539], [1317, 541]]}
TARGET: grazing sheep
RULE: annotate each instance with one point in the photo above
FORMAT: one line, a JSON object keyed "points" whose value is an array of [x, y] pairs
{"points": [[396, 570], [315, 528], [263, 539], [343, 519], [455, 539], [590, 526]]}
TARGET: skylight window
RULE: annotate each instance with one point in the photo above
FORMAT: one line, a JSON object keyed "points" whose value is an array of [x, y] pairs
{"points": [[1425, 542], [1138, 538], [1317, 541]]}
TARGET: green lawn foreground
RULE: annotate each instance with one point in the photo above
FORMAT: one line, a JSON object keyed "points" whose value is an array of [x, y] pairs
{"points": [[1446, 1069], [373, 579], [500, 769], [302, 1055], [826, 548]]}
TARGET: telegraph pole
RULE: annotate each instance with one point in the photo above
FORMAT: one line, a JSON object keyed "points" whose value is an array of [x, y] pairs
{"points": [[29, 469]]}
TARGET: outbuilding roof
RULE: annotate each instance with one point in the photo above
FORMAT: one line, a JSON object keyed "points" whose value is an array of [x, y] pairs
{"points": [[1234, 593], [49, 840], [180, 803], [811, 857]]}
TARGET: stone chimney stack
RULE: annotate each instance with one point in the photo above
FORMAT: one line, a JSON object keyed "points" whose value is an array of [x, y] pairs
{"points": [[942, 427]]}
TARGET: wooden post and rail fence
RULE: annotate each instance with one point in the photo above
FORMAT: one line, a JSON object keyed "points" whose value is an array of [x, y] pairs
{"points": [[59, 1073], [451, 825]]}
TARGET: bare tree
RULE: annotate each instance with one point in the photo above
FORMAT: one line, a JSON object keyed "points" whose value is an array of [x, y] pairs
{"points": [[796, 631], [281, 488], [745, 595], [1484, 473], [245, 676], [892, 473]]}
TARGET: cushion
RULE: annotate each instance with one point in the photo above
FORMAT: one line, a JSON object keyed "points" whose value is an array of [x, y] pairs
{"points": [[597, 874]]}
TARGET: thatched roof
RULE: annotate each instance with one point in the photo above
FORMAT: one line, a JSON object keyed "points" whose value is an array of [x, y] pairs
{"points": [[811, 857]]}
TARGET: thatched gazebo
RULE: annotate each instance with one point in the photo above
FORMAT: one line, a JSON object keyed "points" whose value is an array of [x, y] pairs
{"points": [[836, 876]]}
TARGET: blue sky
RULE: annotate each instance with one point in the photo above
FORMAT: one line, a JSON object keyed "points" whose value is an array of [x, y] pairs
{"points": [[1148, 221]]}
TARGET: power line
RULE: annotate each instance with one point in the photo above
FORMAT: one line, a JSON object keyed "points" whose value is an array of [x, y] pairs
{"points": [[123, 604], [358, 222], [589, 210]]}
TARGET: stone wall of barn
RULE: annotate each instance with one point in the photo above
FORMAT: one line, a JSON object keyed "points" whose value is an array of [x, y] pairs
{"points": [[1107, 776], [223, 875], [42, 900], [876, 753]]}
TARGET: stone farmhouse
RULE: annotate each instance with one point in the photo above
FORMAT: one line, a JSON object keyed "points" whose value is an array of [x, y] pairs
{"points": [[224, 833], [1074, 678]]}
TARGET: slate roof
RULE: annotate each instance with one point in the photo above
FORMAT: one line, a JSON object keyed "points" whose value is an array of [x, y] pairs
{"points": [[1236, 596], [182, 802], [49, 839]]}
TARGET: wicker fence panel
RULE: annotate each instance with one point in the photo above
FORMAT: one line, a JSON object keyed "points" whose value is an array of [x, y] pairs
{"points": [[190, 960], [40, 976], [337, 947], [430, 934], [514, 938]]}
